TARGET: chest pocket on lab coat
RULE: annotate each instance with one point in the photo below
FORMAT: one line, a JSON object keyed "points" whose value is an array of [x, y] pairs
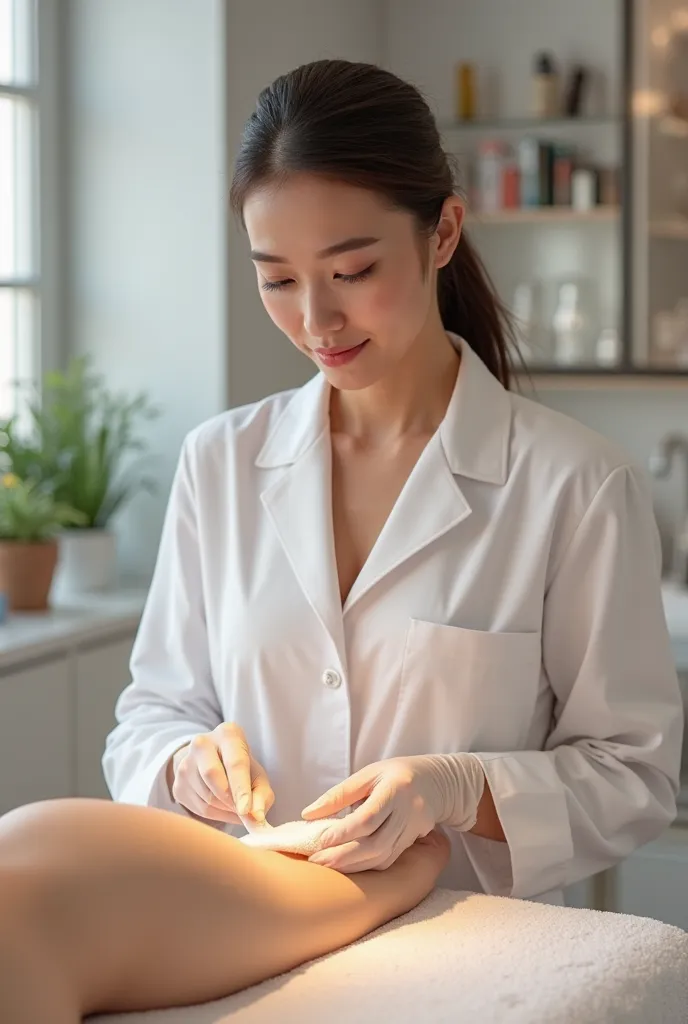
{"points": [[468, 689]]}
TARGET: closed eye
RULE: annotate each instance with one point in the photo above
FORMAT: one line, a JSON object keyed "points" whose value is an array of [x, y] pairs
{"points": [[360, 276], [273, 286]]}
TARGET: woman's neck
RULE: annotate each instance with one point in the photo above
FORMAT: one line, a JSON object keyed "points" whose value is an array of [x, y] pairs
{"points": [[408, 403]]}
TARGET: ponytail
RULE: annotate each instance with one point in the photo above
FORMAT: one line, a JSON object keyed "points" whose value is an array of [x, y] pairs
{"points": [[471, 308]]}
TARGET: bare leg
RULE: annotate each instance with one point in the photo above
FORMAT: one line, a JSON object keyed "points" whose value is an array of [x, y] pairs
{"points": [[107, 907]]}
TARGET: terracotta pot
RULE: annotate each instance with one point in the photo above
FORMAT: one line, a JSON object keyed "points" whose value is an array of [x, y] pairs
{"points": [[26, 573]]}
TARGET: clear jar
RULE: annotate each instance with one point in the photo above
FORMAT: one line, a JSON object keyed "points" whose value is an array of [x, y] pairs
{"points": [[570, 327]]}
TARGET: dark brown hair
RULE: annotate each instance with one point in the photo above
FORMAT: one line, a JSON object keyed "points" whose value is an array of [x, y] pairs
{"points": [[360, 124]]}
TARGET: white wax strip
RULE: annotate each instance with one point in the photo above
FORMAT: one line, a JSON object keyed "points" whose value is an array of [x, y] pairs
{"points": [[293, 837]]}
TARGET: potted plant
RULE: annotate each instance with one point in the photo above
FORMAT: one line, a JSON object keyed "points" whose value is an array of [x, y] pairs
{"points": [[82, 438], [30, 519]]}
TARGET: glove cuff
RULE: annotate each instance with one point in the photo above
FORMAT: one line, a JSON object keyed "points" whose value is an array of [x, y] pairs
{"points": [[459, 783]]}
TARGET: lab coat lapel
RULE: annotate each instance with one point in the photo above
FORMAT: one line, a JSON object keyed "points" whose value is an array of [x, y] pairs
{"points": [[472, 442], [299, 502], [430, 504]]}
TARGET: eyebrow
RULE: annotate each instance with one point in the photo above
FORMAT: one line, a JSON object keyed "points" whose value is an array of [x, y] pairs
{"points": [[348, 245]]}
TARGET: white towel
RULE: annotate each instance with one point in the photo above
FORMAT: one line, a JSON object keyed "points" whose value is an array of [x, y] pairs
{"points": [[292, 837], [471, 957]]}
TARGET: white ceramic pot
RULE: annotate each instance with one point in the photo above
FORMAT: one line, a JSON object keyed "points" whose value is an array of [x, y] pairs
{"points": [[87, 561]]}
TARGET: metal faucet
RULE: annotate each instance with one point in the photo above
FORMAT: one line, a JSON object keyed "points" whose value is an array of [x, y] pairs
{"points": [[660, 466]]}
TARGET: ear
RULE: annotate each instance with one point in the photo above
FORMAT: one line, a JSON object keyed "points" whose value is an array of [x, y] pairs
{"points": [[448, 231]]}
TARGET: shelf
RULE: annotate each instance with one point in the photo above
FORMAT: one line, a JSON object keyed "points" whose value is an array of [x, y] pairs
{"points": [[675, 228], [596, 378], [544, 215], [516, 123]]}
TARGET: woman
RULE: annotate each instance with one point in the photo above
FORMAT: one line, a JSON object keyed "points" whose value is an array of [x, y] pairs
{"points": [[401, 588]]}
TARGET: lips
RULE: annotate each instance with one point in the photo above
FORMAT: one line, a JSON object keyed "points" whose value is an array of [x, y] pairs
{"points": [[334, 357], [338, 351]]}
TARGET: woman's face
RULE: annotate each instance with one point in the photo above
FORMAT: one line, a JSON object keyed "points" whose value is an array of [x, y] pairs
{"points": [[340, 274]]}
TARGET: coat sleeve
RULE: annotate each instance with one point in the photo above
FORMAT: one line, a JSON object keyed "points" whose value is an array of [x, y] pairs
{"points": [[607, 779], [171, 697]]}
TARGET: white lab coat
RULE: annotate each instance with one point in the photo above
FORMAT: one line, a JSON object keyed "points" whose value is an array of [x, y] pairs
{"points": [[511, 607]]}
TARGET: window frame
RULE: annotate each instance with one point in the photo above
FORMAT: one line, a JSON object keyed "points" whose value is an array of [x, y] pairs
{"points": [[46, 95]]}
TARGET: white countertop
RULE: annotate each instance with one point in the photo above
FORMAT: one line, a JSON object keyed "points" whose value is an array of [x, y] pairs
{"points": [[28, 635]]}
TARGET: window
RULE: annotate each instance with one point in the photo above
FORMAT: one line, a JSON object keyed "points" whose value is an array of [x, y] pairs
{"points": [[20, 277]]}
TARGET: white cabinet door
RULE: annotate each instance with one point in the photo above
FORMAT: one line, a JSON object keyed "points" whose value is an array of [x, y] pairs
{"points": [[102, 672], [36, 733], [584, 894], [653, 881]]}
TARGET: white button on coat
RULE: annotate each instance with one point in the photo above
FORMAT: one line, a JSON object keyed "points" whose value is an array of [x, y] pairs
{"points": [[332, 679], [510, 607]]}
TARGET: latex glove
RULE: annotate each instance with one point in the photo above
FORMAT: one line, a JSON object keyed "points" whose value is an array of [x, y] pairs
{"points": [[217, 779], [404, 798]]}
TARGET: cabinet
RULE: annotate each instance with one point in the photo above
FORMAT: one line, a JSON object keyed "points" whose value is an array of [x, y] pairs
{"points": [[653, 881], [659, 162], [587, 894], [56, 710], [101, 673], [36, 733]]}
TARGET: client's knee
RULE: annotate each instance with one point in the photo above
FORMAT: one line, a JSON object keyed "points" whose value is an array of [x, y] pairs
{"points": [[20, 899], [34, 975], [23, 825], [36, 924], [30, 882]]}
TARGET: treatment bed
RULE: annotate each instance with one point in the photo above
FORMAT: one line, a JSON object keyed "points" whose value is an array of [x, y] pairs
{"points": [[471, 957]]}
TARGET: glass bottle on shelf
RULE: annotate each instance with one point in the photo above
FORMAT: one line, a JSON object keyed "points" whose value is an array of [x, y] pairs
{"points": [[526, 313], [608, 348], [570, 327]]}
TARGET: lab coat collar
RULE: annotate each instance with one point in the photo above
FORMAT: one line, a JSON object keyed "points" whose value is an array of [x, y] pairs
{"points": [[475, 432], [472, 441], [304, 420], [476, 429]]}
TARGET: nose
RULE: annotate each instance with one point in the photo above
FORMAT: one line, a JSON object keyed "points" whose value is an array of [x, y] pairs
{"points": [[321, 314]]}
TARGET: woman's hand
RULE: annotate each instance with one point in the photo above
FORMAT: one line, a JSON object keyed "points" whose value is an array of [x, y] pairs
{"points": [[215, 777], [404, 798]]}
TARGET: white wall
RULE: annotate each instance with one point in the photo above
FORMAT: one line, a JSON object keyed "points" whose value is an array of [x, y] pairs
{"points": [[266, 38], [146, 217]]}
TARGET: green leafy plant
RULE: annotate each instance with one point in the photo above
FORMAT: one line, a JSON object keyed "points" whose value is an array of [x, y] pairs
{"points": [[31, 515], [20, 455], [79, 437]]}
